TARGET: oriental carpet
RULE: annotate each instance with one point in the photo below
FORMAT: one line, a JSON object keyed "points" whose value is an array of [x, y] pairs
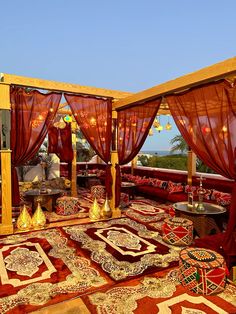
{"points": [[159, 293], [41, 268], [123, 248]]}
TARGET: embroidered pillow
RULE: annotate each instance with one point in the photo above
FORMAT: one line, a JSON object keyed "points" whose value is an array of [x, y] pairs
{"points": [[215, 194], [207, 195], [175, 187], [221, 198], [224, 199], [190, 188], [142, 181], [159, 183]]}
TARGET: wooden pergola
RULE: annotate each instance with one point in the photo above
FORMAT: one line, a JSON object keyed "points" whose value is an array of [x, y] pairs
{"points": [[225, 69]]}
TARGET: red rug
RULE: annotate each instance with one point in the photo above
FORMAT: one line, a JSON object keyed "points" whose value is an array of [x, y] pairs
{"points": [[159, 293], [42, 268], [123, 248]]}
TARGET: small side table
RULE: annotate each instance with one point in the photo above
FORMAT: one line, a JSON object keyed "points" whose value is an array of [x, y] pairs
{"points": [[205, 221], [128, 188], [47, 200]]}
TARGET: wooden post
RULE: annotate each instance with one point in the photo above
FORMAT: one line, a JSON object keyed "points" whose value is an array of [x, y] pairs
{"points": [[191, 166], [6, 226], [114, 160], [73, 166], [134, 164]]}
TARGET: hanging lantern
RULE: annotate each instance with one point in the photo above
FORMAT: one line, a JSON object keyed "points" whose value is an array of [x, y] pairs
{"points": [[68, 118], [156, 124], [206, 129], [159, 128], [150, 133], [60, 124], [168, 125], [224, 128], [93, 122]]}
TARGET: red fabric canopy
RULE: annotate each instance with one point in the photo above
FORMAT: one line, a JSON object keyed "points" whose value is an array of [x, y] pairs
{"points": [[94, 117], [31, 115], [60, 143], [133, 124], [206, 118]]}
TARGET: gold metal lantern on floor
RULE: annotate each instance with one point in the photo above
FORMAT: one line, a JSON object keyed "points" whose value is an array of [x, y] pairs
{"points": [[94, 212], [106, 211], [24, 220], [38, 219]]}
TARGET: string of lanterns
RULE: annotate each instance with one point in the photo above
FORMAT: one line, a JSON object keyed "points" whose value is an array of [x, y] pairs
{"points": [[158, 127]]}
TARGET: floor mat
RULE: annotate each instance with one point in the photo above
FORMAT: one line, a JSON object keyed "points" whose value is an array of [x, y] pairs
{"points": [[123, 247], [41, 268]]}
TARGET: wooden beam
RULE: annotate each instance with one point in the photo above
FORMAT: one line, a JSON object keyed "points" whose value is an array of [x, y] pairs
{"points": [[5, 97], [9, 79], [211, 73]]}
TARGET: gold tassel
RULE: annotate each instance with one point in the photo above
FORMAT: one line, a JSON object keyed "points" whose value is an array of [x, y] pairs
{"points": [[106, 211], [38, 219], [94, 212], [24, 220]]}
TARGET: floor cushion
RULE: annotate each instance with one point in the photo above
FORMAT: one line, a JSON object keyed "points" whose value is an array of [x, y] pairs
{"points": [[202, 271], [67, 205], [177, 231]]}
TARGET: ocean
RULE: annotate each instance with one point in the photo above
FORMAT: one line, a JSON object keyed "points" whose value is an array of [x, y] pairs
{"points": [[156, 152]]}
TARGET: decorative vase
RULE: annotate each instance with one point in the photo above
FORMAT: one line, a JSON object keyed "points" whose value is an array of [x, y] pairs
{"points": [[94, 212], [24, 220], [38, 219], [106, 211]]}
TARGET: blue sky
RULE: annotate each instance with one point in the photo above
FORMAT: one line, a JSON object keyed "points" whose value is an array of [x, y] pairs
{"points": [[127, 45]]}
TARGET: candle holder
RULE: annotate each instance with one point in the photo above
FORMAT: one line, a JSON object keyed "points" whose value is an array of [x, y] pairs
{"points": [[201, 191], [190, 200]]}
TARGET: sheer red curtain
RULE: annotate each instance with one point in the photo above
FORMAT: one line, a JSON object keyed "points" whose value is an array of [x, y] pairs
{"points": [[206, 118], [31, 115], [94, 117], [60, 143], [133, 124]]}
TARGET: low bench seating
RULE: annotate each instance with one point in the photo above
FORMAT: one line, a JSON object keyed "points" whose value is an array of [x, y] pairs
{"points": [[172, 186]]}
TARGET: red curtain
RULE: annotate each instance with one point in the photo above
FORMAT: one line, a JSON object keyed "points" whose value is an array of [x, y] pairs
{"points": [[31, 115], [60, 143], [133, 124], [94, 117], [206, 118]]}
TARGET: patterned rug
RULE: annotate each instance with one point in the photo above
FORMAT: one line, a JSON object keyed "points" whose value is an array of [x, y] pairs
{"points": [[142, 210], [41, 268], [149, 212], [159, 293], [123, 248]]}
